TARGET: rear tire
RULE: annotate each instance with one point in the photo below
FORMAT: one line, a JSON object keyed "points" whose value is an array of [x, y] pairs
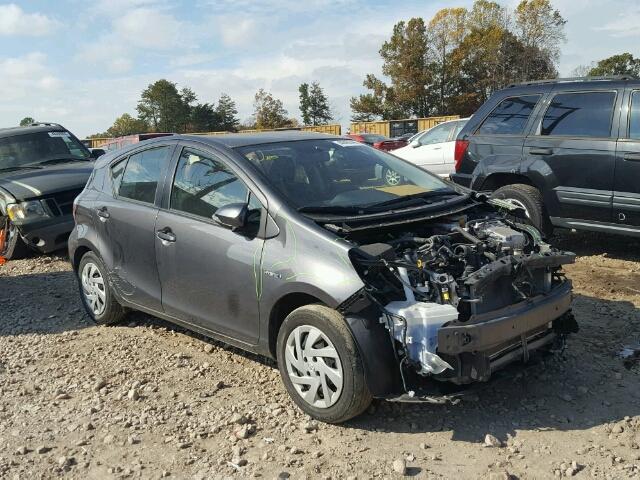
{"points": [[322, 333], [530, 199], [12, 247], [96, 291]]}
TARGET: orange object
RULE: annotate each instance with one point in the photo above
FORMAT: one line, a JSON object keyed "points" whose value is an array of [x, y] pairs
{"points": [[3, 260]]}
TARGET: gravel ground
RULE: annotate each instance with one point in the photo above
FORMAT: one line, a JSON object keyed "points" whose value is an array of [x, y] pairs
{"points": [[147, 400]]}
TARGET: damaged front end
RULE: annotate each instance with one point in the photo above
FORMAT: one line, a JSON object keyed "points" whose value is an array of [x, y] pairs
{"points": [[459, 298]]}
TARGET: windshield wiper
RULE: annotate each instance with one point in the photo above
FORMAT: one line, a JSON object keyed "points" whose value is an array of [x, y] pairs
{"points": [[20, 167], [53, 161], [337, 209], [412, 198]]}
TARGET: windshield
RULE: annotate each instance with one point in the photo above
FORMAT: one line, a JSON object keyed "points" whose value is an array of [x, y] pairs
{"points": [[34, 148], [333, 174]]}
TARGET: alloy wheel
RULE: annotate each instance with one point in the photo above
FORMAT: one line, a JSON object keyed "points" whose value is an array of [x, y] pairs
{"points": [[313, 366], [519, 204], [392, 178], [93, 288]]}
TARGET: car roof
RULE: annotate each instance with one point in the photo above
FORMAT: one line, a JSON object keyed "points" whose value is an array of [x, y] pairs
{"points": [[235, 140], [586, 83], [14, 131]]}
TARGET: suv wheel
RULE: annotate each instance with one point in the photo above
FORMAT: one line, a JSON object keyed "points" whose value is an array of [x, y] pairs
{"points": [[320, 364], [96, 293], [530, 200], [12, 247]]}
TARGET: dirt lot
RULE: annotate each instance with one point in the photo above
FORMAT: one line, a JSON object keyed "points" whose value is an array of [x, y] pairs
{"points": [[146, 400]]}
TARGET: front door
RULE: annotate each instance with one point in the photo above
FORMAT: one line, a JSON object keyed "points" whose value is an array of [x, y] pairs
{"points": [[626, 189], [574, 146], [207, 270], [126, 221]]}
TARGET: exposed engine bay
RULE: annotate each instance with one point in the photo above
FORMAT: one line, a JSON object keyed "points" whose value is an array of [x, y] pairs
{"points": [[464, 295]]}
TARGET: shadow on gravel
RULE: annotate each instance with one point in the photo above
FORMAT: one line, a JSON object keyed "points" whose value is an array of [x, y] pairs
{"points": [[594, 243], [584, 387], [42, 303]]}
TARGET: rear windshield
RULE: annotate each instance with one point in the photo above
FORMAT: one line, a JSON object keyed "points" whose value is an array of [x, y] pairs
{"points": [[38, 147], [371, 138]]}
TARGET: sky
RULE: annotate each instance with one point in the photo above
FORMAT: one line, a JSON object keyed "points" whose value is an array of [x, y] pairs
{"points": [[82, 63]]}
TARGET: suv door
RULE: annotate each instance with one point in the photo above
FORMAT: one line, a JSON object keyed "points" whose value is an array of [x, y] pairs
{"points": [[206, 269], [126, 225], [573, 148], [626, 187], [429, 154]]}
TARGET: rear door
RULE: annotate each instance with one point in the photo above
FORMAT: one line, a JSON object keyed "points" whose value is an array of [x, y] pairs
{"points": [[126, 222], [207, 271], [573, 147], [429, 154], [626, 189]]}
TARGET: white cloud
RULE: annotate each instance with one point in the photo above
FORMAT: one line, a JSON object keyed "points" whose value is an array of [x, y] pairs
{"points": [[26, 76], [15, 21], [625, 25], [147, 28], [238, 31]]}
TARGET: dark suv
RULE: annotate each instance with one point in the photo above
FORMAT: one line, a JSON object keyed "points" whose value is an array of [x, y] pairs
{"points": [[43, 167], [278, 244], [566, 151]]}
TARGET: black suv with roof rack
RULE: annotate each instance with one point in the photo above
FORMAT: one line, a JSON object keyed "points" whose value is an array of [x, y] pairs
{"points": [[566, 151], [43, 168]]}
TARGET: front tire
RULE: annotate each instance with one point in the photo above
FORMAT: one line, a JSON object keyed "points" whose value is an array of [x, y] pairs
{"points": [[12, 247], [530, 200], [320, 365], [96, 291]]}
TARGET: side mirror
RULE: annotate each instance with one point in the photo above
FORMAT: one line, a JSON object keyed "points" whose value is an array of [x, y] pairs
{"points": [[233, 216], [97, 152], [415, 144]]}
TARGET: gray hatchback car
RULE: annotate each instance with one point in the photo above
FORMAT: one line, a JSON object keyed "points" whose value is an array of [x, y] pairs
{"points": [[292, 246]]}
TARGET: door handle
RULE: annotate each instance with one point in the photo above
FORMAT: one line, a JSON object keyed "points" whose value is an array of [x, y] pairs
{"points": [[103, 213], [541, 151], [437, 148], [166, 235], [632, 157]]}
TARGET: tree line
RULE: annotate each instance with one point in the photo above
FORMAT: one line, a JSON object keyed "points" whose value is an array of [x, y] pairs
{"points": [[163, 107], [454, 62]]}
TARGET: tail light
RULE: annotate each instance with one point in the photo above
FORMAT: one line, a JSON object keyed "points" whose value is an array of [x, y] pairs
{"points": [[378, 145], [458, 153]]}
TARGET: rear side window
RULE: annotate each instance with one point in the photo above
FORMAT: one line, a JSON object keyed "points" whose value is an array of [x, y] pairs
{"points": [[141, 174], [510, 116], [203, 184], [437, 134], [634, 120], [583, 114]]}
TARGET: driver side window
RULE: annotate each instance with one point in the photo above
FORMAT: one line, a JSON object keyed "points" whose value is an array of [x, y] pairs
{"points": [[438, 134], [202, 184]]}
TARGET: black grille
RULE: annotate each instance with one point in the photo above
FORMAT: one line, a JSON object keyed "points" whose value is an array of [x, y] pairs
{"points": [[62, 203]]}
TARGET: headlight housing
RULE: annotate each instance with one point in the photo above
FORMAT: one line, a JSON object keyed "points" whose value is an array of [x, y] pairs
{"points": [[26, 211]]}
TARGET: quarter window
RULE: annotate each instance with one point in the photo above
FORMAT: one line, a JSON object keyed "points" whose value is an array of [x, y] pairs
{"points": [[510, 116], [142, 175], [634, 120], [585, 114], [203, 184]]}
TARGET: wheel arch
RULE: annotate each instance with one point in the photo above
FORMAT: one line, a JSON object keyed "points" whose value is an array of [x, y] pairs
{"points": [[281, 309], [496, 180]]}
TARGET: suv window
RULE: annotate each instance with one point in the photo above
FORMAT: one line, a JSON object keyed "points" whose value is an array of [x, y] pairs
{"points": [[634, 120], [580, 114], [203, 184], [437, 134], [141, 174], [510, 116]]}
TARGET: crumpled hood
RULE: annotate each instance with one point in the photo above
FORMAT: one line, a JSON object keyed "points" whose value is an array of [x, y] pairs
{"points": [[26, 184]]}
